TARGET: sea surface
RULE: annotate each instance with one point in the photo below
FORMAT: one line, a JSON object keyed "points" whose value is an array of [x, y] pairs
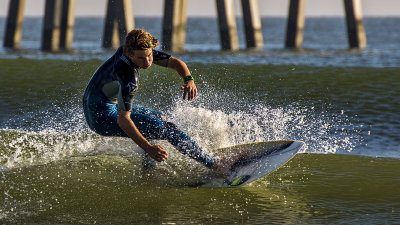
{"points": [[343, 103]]}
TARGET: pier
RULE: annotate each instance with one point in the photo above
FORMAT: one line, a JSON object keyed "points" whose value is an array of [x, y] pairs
{"points": [[59, 17]]}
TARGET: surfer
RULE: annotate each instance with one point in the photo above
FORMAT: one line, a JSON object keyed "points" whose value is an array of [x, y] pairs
{"points": [[110, 111]]}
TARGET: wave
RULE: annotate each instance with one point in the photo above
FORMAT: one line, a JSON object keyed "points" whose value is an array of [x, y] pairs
{"points": [[64, 133], [334, 109]]}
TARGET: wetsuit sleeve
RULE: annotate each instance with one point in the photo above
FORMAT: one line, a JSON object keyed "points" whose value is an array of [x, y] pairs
{"points": [[127, 78], [161, 58]]}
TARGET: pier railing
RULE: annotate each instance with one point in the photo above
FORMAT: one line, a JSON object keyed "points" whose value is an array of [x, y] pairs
{"points": [[58, 25]]}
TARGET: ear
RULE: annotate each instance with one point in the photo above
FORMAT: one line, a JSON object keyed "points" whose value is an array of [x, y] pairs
{"points": [[131, 56]]}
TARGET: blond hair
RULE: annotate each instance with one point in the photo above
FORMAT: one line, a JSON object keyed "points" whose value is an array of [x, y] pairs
{"points": [[138, 39]]}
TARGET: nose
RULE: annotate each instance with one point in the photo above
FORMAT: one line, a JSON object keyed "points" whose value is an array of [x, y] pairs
{"points": [[147, 61]]}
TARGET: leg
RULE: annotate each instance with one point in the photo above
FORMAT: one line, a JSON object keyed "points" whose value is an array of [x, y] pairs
{"points": [[187, 146], [156, 128], [152, 113], [102, 118], [145, 111]]}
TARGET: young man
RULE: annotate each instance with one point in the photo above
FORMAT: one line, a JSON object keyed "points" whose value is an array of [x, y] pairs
{"points": [[108, 101]]}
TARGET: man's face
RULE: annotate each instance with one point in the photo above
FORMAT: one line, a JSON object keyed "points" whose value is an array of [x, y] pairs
{"points": [[142, 58]]}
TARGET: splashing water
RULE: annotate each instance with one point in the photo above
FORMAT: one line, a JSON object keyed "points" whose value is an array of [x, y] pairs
{"points": [[77, 158], [322, 132]]}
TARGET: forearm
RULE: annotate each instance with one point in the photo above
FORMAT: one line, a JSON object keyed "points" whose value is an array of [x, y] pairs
{"points": [[129, 127], [189, 88], [180, 67]]}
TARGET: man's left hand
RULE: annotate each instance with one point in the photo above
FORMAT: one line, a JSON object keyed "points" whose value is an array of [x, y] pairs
{"points": [[189, 90]]}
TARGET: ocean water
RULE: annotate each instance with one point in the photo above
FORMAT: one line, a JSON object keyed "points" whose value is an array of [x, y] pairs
{"points": [[344, 104]]}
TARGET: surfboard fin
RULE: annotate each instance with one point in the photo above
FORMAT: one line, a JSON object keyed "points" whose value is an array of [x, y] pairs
{"points": [[239, 180]]}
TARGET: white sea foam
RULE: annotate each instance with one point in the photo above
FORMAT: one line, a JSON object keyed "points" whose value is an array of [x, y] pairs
{"points": [[322, 133], [211, 128]]}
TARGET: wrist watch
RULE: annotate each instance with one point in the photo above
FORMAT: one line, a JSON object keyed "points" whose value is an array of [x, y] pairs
{"points": [[188, 78]]}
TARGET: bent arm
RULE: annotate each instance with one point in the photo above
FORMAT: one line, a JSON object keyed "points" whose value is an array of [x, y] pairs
{"points": [[189, 88], [128, 126], [179, 66]]}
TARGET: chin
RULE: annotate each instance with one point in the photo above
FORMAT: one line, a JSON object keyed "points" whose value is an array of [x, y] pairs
{"points": [[145, 67]]}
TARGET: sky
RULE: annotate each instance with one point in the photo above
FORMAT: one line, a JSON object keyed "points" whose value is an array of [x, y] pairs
{"points": [[207, 8]]}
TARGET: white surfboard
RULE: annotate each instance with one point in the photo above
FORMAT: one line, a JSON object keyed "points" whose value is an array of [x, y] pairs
{"points": [[263, 158]]}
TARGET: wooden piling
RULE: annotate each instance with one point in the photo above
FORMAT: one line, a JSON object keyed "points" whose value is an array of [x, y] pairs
{"points": [[118, 22], [51, 25], [58, 25], [227, 25], [15, 18], [355, 28], [67, 24], [252, 24], [295, 24], [174, 25]]}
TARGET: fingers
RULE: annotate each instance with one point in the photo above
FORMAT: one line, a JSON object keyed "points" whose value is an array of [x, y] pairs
{"points": [[194, 93], [189, 92], [184, 92], [161, 154], [157, 153]]}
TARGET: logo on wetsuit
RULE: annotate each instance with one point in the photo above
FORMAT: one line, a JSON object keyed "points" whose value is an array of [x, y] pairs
{"points": [[132, 88]]}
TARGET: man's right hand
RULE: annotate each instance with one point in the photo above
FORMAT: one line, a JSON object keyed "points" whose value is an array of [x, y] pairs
{"points": [[125, 122], [157, 153]]}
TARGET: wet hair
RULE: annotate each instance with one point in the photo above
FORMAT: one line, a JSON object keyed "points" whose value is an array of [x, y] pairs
{"points": [[138, 39]]}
